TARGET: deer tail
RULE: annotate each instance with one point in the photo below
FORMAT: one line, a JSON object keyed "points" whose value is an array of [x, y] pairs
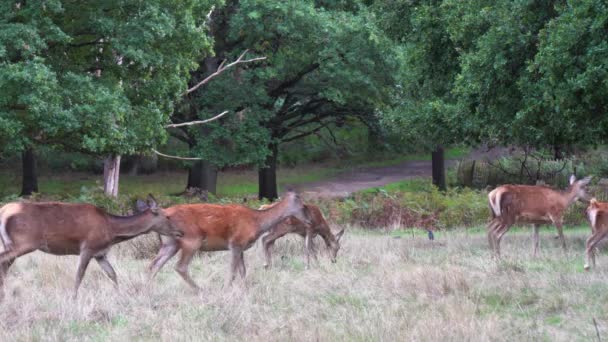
{"points": [[494, 198], [6, 240]]}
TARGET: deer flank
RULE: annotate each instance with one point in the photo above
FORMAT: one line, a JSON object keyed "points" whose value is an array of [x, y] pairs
{"points": [[536, 205]]}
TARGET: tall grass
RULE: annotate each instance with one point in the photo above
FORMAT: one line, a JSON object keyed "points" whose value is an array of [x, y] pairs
{"points": [[398, 287]]}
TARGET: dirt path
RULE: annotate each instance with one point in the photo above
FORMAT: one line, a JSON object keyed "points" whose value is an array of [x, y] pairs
{"points": [[346, 183]]}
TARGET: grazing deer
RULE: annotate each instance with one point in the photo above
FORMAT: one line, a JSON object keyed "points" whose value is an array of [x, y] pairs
{"points": [[212, 227], [597, 212], [511, 204], [290, 225], [75, 229]]}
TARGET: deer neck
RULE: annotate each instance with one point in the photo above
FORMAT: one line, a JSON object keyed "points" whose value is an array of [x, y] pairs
{"points": [[128, 227], [569, 196], [270, 217]]}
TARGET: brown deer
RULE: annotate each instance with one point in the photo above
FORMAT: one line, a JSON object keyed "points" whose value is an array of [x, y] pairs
{"points": [[213, 227], [75, 229], [291, 225], [597, 213], [512, 204]]}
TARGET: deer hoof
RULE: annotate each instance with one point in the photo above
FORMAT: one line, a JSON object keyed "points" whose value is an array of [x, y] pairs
{"points": [[586, 267]]}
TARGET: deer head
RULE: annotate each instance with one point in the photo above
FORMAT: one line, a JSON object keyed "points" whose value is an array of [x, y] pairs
{"points": [[161, 223], [579, 188], [335, 246]]}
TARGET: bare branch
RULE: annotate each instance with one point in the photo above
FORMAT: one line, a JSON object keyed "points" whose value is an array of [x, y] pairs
{"points": [[222, 68], [174, 157], [198, 122]]}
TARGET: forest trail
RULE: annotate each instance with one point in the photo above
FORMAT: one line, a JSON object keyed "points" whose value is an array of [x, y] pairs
{"points": [[344, 184]]}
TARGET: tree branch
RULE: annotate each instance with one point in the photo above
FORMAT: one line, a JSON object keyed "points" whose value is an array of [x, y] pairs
{"points": [[222, 68], [198, 122], [295, 79], [174, 157], [303, 134]]}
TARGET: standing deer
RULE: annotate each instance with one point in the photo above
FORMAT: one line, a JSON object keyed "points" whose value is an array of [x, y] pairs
{"points": [[75, 229], [212, 227], [511, 204], [318, 226], [597, 212]]}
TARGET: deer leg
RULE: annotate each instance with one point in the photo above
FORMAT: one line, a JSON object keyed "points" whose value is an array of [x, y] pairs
{"points": [[560, 232], [499, 233], [268, 243], [592, 241], [308, 247], [237, 256], [183, 264], [83, 263], [3, 273], [536, 239], [242, 270], [491, 227], [589, 245], [105, 265], [166, 252]]}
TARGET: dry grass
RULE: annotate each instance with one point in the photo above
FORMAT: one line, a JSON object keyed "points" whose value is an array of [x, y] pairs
{"points": [[382, 288]]}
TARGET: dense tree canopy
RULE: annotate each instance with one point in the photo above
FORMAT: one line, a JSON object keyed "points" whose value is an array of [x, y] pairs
{"points": [[507, 72], [104, 77], [326, 62], [93, 76]]}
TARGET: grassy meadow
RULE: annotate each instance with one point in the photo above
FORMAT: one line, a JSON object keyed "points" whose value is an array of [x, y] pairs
{"points": [[385, 286]]}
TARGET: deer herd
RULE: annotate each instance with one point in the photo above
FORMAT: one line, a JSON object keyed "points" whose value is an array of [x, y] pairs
{"points": [[89, 232]]}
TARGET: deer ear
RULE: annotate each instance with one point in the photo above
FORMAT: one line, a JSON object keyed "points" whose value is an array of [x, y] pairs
{"points": [[572, 179], [339, 235]]}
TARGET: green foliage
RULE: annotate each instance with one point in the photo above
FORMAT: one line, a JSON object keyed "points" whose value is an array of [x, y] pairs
{"points": [[566, 93], [527, 73], [416, 203], [326, 62], [98, 77], [422, 113]]}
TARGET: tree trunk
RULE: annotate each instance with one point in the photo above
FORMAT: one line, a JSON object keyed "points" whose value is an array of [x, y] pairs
{"points": [[438, 166], [29, 183], [558, 153], [111, 174], [203, 175], [267, 175]]}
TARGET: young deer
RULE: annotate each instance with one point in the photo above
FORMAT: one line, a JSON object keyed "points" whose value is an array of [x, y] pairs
{"points": [[597, 212], [212, 227], [290, 225], [75, 229], [511, 204]]}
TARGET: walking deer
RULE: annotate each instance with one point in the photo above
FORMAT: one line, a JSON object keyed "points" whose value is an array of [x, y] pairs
{"points": [[74, 229], [212, 227], [512, 204], [597, 213], [290, 225]]}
